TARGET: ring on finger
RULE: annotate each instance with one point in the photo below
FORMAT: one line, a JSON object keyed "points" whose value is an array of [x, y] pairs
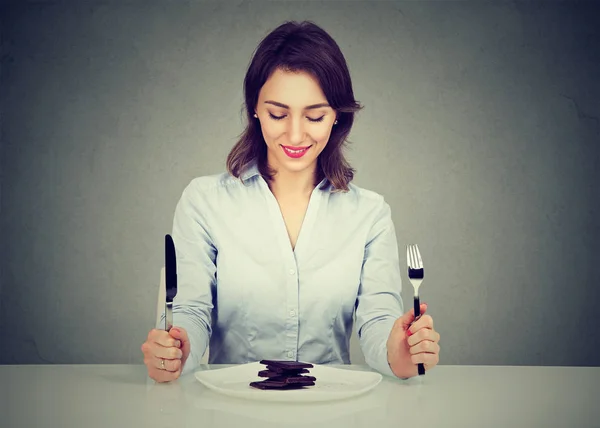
{"points": [[162, 364]]}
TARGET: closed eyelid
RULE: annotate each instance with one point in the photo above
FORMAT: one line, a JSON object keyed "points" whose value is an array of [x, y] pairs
{"points": [[310, 119]]}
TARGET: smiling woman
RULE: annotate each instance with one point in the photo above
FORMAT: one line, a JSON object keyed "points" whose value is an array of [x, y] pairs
{"points": [[278, 255], [300, 102]]}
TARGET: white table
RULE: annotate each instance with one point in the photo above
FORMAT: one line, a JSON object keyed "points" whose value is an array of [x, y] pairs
{"points": [[448, 396]]}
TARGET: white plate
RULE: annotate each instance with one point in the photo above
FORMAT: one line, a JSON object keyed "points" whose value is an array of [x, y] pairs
{"points": [[331, 384]]}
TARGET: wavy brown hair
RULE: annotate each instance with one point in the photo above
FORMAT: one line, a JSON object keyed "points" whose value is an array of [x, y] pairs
{"points": [[294, 47]]}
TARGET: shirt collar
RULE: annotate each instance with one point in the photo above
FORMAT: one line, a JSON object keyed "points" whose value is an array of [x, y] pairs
{"points": [[252, 171]]}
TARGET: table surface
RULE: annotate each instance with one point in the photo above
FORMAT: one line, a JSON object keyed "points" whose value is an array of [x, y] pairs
{"points": [[447, 396]]}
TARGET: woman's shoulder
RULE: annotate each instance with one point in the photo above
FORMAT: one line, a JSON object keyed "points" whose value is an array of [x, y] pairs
{"points": [[364, 193], [363, 196], [211, 182], [210, 186]]}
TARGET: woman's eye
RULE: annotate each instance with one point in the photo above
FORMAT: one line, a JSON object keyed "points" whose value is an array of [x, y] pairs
{"points": [[272, 116]]}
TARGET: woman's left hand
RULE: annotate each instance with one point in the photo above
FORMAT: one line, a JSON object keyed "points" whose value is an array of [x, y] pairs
{"points": [[409, 345]]}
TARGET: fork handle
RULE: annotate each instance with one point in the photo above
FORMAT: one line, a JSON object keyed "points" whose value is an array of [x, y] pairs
{"points": [[420, 366]]}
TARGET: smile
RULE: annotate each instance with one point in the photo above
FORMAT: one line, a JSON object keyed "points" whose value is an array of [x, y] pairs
{"points": [[295, 152]]}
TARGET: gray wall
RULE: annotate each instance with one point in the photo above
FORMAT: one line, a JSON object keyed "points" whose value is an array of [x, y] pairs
{"points": [[481, 128]]}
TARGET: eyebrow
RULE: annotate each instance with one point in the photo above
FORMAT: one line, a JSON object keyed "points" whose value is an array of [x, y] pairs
{"points": [[311, 107]]}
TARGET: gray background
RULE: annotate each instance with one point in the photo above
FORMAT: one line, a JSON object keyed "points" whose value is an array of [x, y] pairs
{"points": [[481, 130]]}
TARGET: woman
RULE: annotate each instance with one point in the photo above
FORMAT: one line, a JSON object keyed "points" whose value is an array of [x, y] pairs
{"points": [[276, 256]]}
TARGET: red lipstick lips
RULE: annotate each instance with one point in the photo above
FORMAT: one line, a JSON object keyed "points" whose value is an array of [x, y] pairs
{"points": [[295, 152]]}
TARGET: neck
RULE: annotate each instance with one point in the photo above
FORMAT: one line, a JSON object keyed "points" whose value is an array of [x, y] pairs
{"points": [[288, 183]]}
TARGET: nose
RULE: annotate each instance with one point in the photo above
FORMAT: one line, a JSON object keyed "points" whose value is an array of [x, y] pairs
{"points": [[296, 131]]}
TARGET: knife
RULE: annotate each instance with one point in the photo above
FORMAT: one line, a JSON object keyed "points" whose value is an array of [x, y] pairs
{"points": [[170, 280]]}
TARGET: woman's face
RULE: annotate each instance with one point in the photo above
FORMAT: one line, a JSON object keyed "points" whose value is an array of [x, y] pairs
{"points": [[296, 120]]}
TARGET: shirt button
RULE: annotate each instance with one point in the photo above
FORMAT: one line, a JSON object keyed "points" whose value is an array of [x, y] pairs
{"points": [[292, 271], [290, 354], [292, 313]]}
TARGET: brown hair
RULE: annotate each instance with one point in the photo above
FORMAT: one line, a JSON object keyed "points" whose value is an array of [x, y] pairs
{"points": [[296, 47]]}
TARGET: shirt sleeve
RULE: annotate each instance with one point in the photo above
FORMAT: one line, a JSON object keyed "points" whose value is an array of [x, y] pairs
{"points": [[196, 274], [379, 301]]}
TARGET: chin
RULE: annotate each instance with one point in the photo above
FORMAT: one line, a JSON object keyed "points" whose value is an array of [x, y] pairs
{"points": [[297, 166]]}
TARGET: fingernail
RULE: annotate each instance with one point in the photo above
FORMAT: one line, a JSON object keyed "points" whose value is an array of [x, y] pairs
{"points": [[408, 333], [176, 331]]}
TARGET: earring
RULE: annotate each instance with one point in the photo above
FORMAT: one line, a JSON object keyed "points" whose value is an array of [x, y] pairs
{"points": [[335, 123], [255, 115]]}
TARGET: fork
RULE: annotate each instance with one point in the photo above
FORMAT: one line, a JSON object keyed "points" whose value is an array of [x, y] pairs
{"points": [[415, 275]]}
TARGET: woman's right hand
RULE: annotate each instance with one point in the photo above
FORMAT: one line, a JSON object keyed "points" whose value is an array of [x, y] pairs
{"points": [[172, 347]]}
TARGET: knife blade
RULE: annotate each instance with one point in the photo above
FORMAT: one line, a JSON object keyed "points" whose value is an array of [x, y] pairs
{"points": [[170, 280]]}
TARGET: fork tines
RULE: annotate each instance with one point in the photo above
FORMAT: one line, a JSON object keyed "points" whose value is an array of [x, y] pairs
{"points": [[414, 262]]}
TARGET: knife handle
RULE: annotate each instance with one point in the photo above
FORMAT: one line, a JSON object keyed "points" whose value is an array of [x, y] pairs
{"points": [[168, 316]]}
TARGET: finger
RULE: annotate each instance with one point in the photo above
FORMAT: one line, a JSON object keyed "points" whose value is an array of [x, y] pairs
{"points": [[180, 335], [428, 359], [422, 309], [170, 353], [424, 321], [423, 334], [163, 376], [409, 317], [170, 365], [425, 346], [163, 338]]}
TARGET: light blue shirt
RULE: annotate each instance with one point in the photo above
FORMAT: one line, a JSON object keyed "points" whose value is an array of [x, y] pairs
{"points": [[243, 289]]}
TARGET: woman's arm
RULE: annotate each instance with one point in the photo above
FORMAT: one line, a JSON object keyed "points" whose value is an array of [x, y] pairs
{"points": [[379, 302], [196, 273]]}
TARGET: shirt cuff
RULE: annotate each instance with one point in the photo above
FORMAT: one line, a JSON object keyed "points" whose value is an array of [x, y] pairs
{"points": [[198, 343], [381, 362], [197, 337]]}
